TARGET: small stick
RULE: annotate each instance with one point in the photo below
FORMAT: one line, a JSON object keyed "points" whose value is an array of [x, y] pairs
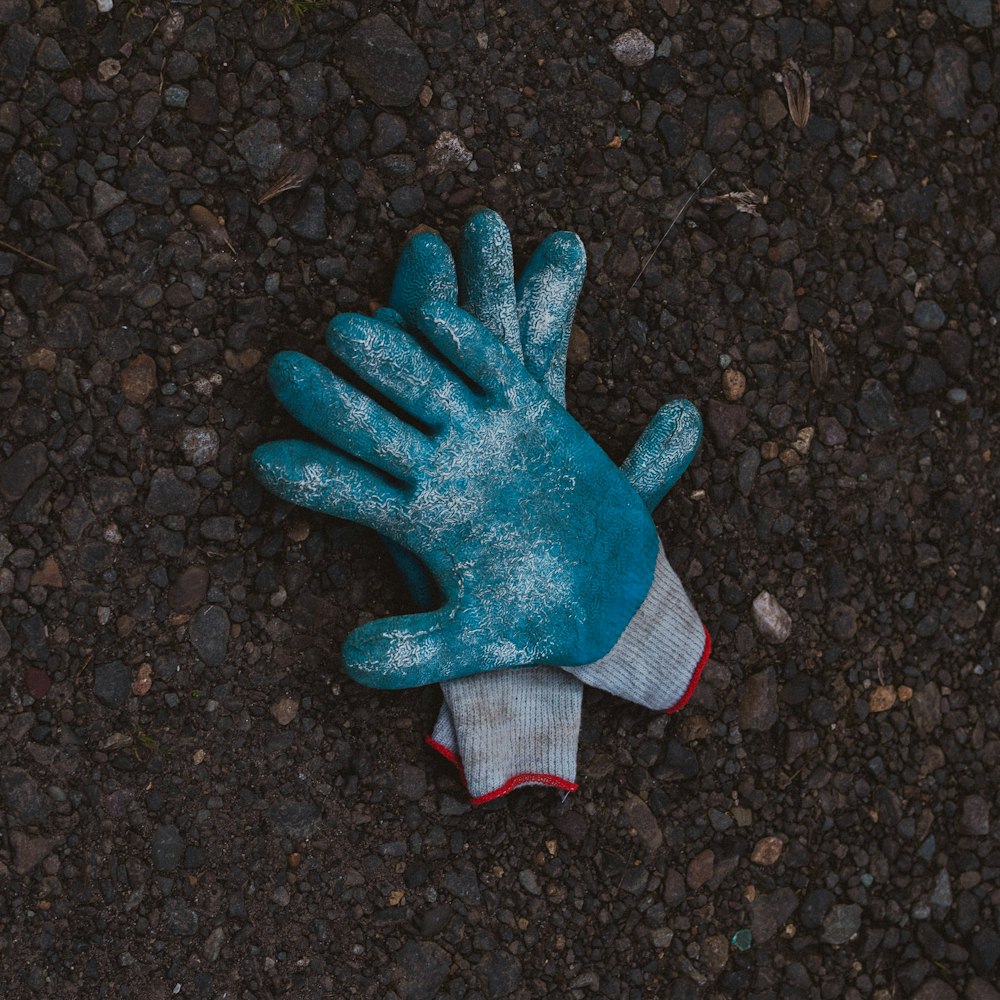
{"points": [[684, 208], [42, 263]]}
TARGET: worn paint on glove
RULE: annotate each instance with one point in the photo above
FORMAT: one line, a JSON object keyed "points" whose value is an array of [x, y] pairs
{"points": [[519, 516]]}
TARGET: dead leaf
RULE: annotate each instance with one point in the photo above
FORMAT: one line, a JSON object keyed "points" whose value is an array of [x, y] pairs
{"points": [[798, 92], [818, 367], [212, 225], [745, 201], [295, 169]]}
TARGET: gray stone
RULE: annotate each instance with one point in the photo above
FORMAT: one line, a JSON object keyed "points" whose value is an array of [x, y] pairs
{"points": [[501, 973], [463, 882], [925, 705], [260, 145], [746, 470], [876, 407], [633, 48], [935, 989], [180, 918], [14, 11], [726, 421], [421, 970], [985, 950], [407, 200], [639, 816], [16, 50], [168, 847], [213, 944], [200, 445], [977, 13], [980, 989], [28, 851], [23, 178], [942, 896], [176, 96], [726, 120], [772, 620], [112, 683], [949, 81], [388, 132], [72, 261], [22, 797], [168, 495], [49, 55], [759, 707], [975, 815], [928, 315], [383, 61], [188, 591], [411, 782], [146, 182], [310, 219], [842, 923], [22, 469], [307, 89], [769, 912], [294, 818], [988, 275], [925, 376], [209, 632], [815, 907]]}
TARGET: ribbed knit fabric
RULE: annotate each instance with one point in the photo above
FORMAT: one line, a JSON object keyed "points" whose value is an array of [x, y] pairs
{"points": [[514, 727], [510, 728], [658, 659]]}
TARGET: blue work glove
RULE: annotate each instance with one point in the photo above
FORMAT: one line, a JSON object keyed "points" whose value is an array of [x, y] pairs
{"points": [[516, 727], [542, 551]]}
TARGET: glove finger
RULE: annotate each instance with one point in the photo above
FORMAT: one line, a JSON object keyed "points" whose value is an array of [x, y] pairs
{"points": [[391, 361], [315, 477], [345, 416], [472, 348], [425, 273], [664, 450], [547, 293], [487, 277], [411, 650]]}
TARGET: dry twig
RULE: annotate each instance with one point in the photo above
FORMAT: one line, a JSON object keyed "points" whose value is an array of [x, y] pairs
{"points": [[21, 253], [674, 221]]}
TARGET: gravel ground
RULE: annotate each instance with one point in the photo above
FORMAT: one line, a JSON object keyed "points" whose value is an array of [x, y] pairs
{"points": [[193, 799]]}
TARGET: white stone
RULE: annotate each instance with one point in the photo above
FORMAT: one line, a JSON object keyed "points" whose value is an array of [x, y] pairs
{"points": [[773, 621], [633, 48], [448, 153], [104, 6]]}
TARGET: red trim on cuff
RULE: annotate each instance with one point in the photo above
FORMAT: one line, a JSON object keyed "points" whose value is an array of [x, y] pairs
{"points": [[695, 677], [527, 778]]}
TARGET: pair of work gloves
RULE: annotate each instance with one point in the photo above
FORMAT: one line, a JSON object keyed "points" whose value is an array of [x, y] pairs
{"points": [[535, 561]]}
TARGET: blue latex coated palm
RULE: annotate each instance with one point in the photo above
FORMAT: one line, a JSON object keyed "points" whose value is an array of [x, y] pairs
{"points": [[534, 318], [518, 515]]}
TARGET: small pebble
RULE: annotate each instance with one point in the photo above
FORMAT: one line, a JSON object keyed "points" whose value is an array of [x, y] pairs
{"points": [[773, 621]]}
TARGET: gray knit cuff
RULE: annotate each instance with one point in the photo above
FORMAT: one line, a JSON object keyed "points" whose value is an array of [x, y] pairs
{"points": [[509, 728], [658, 659]]}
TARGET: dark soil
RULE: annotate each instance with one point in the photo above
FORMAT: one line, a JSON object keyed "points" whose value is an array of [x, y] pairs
{"points": [[195, 802]]}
